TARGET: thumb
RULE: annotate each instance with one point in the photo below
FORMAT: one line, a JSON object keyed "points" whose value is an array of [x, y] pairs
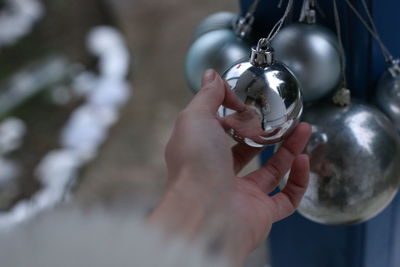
{"points": [[214, 93], [211, 95]]}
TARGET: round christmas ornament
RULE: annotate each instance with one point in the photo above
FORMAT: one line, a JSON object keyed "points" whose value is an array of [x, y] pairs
{"points": [[270, 91], [388, 90], [220, 42], [311, 51], [354, 163], [216, 50], [273, 96], [354, 155]]}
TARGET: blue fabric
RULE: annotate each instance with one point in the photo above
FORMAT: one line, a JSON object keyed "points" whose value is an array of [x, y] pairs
{"points": [[297, 241]]}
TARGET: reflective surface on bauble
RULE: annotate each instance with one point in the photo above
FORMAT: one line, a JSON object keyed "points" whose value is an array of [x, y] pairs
{"points": [[273, 97], [312, 52], [354, 163]]}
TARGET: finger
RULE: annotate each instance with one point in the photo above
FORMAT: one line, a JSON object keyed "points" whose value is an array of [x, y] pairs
{"points": [[269, 175], [224, 124], [242, 155], [286, 201], [213, 94], [231, 100]]}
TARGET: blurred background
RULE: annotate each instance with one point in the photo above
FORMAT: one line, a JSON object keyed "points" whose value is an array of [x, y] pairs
{"points": [[89, 91]]}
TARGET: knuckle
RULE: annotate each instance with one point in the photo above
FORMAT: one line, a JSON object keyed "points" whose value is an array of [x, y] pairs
{"points": [[274, 171], [289, 151]]}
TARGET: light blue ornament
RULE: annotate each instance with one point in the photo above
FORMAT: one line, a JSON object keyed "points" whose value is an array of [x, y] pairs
{"points": [[221, 41]]}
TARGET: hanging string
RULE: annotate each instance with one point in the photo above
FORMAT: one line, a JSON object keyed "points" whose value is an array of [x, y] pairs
{"points": [[253, 7], [319, 9], [342, 97], [277, 27], [341, 48], [371, 20], [371, 29], [265, 42]]}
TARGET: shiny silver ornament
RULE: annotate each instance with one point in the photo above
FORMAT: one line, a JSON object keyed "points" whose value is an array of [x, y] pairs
{"points": [[388, 93], [272, 95], [216, 21], [311, 51], [354, 163], [216, 49]]}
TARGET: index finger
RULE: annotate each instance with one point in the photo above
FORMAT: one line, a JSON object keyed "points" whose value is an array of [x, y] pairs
{"points": [[286, 201], [270, 174]]}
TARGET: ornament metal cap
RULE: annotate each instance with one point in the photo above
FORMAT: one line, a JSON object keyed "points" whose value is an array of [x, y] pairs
{"points": [[309, 17], [394, 67], [242, 27], [342, 97], [308, 14], [262, 55]]}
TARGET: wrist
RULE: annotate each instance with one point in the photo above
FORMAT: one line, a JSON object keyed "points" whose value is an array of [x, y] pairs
{"points": [[179, 214], [200, 212]]}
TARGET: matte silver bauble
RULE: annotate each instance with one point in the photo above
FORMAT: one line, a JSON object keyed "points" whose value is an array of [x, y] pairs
{"points": [[354, 163], [388, 93], [216, 50], [312, 52], [216, 21], [272, 94]]}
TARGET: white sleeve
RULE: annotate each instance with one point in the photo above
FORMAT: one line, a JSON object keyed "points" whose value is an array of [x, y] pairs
{"points": [[99, 239]]}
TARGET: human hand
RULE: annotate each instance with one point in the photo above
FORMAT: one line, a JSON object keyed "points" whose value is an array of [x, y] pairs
{"points": [[203, 181]]}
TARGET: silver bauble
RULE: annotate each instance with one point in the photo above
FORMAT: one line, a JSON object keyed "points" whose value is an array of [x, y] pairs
{"points": [[388, 93], [354, 163], [216, 50], [216, 21], [312, 52], [273, 96]]}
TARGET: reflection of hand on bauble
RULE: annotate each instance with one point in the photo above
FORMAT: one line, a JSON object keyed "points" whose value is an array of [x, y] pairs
{"points": [[245, 124]]}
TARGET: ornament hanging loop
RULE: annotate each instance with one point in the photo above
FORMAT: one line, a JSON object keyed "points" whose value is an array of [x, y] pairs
{"points": [[263, 43], [342, 96], [263, 54]]}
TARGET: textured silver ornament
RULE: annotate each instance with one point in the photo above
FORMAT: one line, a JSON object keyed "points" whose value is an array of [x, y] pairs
{"points": [[311, 51], [354, 163], [272, 95], [388, 93], [217, 46]]}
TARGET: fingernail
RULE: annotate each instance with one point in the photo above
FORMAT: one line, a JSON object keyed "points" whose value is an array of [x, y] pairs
{"points": [[209, 76]]}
